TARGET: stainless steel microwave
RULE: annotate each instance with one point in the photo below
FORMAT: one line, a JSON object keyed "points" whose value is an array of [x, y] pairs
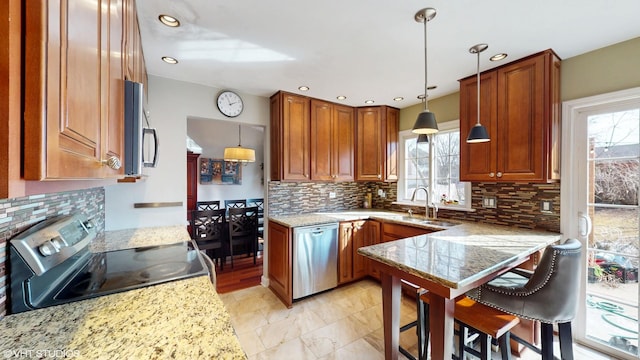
{"points": [[140, 140]]}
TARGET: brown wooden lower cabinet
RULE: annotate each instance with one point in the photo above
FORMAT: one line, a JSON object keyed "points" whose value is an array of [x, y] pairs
{"points": [[353, 235], [280, 262], [391, 231]]}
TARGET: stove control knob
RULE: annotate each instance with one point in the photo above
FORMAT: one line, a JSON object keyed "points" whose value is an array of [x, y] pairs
{"points": [[47, 248], [58, 243]]}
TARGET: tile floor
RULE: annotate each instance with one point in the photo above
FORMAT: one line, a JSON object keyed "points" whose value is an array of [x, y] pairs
{"points": [[344, 323]]}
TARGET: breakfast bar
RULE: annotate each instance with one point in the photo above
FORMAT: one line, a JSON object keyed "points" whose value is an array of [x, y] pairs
{"points": [[447, 263]]}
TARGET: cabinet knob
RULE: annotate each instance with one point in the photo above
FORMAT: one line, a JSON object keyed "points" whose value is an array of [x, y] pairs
{"points": [[113, 162], [333, 176], [491, 174], [499, 174], [379, 176]]}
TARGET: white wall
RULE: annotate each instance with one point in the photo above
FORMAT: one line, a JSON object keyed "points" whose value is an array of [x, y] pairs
{"points": [[171, 103], [213, 136]]}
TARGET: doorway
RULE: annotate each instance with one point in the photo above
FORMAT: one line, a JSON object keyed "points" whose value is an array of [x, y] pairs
{"points": [[212, 137], [600, 197]]}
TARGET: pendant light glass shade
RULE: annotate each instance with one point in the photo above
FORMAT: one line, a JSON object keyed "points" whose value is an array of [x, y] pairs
{"points": [[423, 139], [478, 133], [426, 121], [239, 153]]}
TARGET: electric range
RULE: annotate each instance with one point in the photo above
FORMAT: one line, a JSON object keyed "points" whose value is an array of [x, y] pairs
{"points": [[51, 265]]}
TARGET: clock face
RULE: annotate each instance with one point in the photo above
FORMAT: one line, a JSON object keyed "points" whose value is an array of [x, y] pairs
{"points": [[230, 104]]}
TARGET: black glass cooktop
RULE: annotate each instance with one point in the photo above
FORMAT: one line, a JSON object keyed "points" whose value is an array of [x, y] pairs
{"points": [[121, 270]]}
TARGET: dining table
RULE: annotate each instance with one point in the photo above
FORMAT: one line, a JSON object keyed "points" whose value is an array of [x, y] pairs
{"points": [[447, 263]]}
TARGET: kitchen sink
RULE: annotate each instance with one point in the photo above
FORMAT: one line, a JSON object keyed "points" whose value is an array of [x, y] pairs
{"points": [[433, 222], [438, 223]]}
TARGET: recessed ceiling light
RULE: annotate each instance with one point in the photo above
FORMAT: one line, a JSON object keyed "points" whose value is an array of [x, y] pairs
{"points": [[399, 98], [369, 101], [341, 97], [498, 57], [169, 60], [169, 20], [303, 88]]}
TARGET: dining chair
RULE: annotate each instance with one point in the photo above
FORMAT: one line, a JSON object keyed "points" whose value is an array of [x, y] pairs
{"points": [[243, 230], [259, 203], [230, 204], [208, 205], [548, 295], [208, 231]]}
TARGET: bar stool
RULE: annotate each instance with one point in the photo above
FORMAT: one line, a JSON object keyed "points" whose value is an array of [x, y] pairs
{"points": [[422, 311], [549, 296], [471, 317]]}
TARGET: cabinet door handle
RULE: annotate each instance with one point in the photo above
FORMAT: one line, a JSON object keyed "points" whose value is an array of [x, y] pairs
{"points": [[499, 174], [491, 174], [113, 162]]}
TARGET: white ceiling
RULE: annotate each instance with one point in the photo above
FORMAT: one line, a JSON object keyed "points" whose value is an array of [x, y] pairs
{"points": [[366, 49]]}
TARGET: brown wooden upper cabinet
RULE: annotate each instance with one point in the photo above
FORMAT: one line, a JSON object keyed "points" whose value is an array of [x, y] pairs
{"points": [[377, 143], [290, 121], [316, 140], [520, 106], [332, 139], [74, 88], [135, 69]]}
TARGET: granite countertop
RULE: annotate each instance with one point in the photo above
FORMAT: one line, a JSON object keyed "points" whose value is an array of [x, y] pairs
{"points": [[132, 238], [362, 214], [303, 220], [182, 319], [460, 255]]}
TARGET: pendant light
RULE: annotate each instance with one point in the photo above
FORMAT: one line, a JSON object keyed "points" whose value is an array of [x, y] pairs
{"points": [[239, 153], [422, 138], [426, 121], [478, 133]]}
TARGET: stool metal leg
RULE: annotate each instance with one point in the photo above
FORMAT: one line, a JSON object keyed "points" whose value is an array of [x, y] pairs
{"points": [[566, 341], [420, 324], [423, 351], [485, 346], [546, 334], [505, 345]]}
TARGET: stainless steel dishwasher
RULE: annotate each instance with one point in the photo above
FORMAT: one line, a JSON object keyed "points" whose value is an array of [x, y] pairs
{"points": [[315, 259]]}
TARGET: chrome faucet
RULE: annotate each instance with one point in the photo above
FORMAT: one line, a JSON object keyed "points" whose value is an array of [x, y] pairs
{"points": [[426, 203]]}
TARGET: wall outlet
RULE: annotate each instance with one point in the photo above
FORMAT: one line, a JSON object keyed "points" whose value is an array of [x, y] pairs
{"points": [[332, 195], [489, 202], [381, 193], [546, 206]]}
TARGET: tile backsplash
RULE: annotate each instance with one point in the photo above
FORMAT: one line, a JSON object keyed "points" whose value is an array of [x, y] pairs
{"points": [[289, 198], [18, 214], [517, 204]]}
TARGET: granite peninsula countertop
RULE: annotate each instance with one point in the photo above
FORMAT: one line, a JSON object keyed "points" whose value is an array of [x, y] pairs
{"points": [[460, 255], [456, 254], [182, 319]]}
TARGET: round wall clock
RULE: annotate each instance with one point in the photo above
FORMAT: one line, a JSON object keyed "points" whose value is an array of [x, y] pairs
{"points": [[229, 103]]}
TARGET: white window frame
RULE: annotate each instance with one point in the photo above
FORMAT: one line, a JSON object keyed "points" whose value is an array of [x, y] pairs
{"points": [[403, 199]]}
